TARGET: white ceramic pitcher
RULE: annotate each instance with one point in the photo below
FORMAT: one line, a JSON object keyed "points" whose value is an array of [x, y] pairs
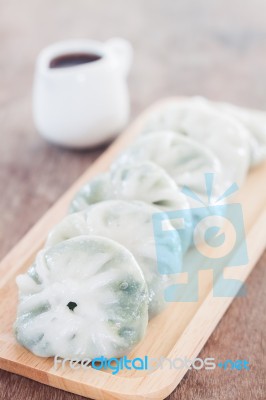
{"points": [[85, 104]]}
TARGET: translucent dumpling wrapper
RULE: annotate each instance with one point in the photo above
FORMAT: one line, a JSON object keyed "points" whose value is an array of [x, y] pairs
{"points": [[184, 160], [82, 298], [203, 122], [130, 224], [255, 122], [96, 190], [143, 181]]}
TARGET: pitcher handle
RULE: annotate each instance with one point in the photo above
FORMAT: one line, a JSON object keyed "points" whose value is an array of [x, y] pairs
{"points": [[122, 52]]}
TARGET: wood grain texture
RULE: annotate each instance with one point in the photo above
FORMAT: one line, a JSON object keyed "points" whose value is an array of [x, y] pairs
{"points": [[186, 47], [180, 331]]}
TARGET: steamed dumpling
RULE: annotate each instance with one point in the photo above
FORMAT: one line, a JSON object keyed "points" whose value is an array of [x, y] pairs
{"points": [[255, 122], [218, 131], [143, 181], [130, 224], [184, 160], [82, 298], [98, 189]]}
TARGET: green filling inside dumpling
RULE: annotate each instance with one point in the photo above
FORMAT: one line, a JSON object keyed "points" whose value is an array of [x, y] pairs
{"points": [[90, 299]]}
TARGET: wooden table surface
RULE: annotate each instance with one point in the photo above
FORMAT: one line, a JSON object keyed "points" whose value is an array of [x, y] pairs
{"points": [[186, 47]]}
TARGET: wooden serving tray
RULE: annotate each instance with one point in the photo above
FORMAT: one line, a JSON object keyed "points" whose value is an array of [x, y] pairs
{"points": [[180, 331]]}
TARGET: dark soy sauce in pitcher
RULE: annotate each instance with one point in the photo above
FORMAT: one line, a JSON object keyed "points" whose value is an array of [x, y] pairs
{"points": [[72, 60]]}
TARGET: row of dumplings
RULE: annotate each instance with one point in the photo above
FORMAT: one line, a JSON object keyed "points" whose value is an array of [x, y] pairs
{"points": [[95, 285]]}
